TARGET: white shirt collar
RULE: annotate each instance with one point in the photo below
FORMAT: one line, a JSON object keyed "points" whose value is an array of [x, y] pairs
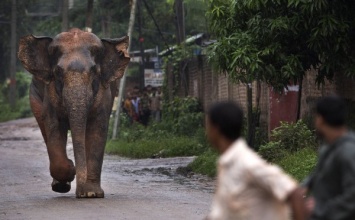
{"points": [[237, 147]]}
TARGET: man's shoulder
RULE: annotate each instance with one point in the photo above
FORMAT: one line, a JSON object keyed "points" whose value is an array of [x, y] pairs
{"points": [[241, 154], [347, 147]]}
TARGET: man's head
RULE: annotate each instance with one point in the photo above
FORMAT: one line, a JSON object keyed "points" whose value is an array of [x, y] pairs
{"points": [[330, 116], [224, 123], [149, 88], [128, 95]]}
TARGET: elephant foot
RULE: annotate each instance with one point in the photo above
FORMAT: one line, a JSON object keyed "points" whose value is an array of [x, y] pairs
{"points": [[60, 187], [62, 171], [89, 190]]}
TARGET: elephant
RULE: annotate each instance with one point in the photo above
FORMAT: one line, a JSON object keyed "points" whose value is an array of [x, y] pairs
{"points": [[75, 78]]}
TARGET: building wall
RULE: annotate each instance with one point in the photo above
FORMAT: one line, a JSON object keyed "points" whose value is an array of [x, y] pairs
{"points": [[209, 86], [340, 85]]}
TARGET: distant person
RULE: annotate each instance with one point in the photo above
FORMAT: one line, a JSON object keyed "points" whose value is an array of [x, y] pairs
{"points": [[128, 107], [160, 94], [149, 89], [145, 108], [332, 184], [135, 100], [155, 105], [248, 188]]}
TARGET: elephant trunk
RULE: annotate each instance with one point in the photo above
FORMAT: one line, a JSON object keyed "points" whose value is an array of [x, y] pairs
{"points": [[77, 100]]}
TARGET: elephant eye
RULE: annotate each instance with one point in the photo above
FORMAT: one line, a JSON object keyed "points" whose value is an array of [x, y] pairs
{"points": [[58, 71], [93, 69], [120, 53], [59, 68]]}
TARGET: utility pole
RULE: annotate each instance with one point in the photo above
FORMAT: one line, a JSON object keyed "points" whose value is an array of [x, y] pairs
{"points": [[12, 95], [88, 21], [123, 79], [65, 20], [180, 37], [141, 40], [180, 20]]}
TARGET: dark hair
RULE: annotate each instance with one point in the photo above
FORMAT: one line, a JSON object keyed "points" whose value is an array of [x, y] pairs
{"points": [[333, 110], [228, 117]]}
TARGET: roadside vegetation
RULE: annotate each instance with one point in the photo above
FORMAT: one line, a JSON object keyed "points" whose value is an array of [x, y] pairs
{"points": [[22, 108], [181, 133]]}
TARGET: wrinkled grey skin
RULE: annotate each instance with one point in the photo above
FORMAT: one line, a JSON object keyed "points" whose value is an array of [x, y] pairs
{"points": [[74, 84]]}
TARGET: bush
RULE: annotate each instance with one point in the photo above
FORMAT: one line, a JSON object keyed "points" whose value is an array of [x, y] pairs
{"points": [[22, 108], [179, 134], [205, 164], [293, 147], [294, 136], [272, 151], [289, 137], [182, 116]]}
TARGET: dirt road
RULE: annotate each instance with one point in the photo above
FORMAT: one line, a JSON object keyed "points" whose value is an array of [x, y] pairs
{"points": [[134, 189]]}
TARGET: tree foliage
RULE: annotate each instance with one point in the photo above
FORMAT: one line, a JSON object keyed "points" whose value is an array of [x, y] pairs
{"points": [[276, 41]]}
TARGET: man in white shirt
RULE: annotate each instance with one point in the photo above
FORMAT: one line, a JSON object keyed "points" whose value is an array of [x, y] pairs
{"points": [[248, 188]]}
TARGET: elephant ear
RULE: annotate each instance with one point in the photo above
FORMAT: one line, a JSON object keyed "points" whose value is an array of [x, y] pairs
{"points": [[115, 59], [33, 54]]}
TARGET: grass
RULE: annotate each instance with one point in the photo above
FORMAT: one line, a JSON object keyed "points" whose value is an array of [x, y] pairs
{"points": [[21, 110], [160, 140], [299, 164], [205, 164], [154, 147]]}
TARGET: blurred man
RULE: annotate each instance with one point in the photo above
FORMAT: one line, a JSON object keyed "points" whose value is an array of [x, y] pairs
{"points": [[248, 187], [332, 184]]}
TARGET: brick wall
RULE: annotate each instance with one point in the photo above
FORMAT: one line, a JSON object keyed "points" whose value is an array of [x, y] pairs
{"points": [[210, 87], [340, 85], [345, 86]]}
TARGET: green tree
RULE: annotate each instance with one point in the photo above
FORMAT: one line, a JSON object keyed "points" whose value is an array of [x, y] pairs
{"points": [[276, 41], [22, 23]]}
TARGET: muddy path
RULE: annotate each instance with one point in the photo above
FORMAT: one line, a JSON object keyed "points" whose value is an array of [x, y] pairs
{"points": [[134, 189]]}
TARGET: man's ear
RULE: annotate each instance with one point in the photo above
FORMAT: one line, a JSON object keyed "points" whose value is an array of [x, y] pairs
{"points": [[115, 59], [34, 56]]}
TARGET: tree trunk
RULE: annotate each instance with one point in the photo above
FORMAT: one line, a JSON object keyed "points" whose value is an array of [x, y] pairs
{"points": [[253, 115], [141, 46], [12, 95], [299, 98], [88, 21], [103, 26], [65, 20], [250, 113]]}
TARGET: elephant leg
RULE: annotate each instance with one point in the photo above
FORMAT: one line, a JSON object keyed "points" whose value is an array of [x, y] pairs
{"points": [[61, 168], [96, 134], [36, 105]]}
